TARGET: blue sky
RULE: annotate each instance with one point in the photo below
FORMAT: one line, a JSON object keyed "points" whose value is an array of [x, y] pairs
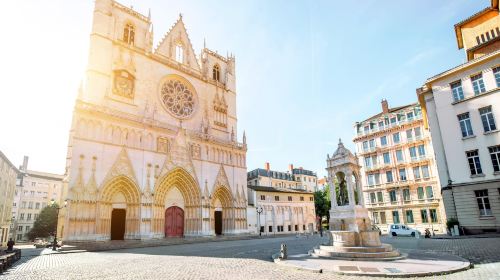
{"points": [[305, 70]]}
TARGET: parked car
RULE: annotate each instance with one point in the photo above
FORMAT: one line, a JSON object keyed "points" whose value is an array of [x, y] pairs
{"points": [[40, 242], [402, 230]]}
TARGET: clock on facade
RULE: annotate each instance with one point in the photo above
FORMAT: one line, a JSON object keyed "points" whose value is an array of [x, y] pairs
{"points": [[178, 98], [124, 84]]}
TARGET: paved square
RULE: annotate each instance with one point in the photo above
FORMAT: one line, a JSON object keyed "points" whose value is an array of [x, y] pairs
{"points": [[243, 259]]}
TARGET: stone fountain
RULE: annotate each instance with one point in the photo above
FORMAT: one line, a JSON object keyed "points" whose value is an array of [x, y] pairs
{"points": [[351, 233]]}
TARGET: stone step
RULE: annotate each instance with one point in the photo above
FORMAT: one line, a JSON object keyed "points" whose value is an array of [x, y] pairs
{"points": [[354, 255], [383, 248]]}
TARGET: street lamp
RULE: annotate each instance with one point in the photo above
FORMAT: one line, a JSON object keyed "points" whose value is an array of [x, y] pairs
{"points": [[52, 202], [259, 211]]}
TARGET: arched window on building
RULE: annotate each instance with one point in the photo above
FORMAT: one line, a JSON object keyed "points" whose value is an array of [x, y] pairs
{"points": [[179, 53], [216, 73], [129, 34]]}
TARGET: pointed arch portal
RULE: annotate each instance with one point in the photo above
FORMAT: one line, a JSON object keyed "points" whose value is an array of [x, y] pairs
{"points": [[222, 211], [118, 209], [175, 221]]}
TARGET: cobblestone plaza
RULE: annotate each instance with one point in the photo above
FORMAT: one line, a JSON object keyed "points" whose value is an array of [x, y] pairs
{"points": [[241, 259]]}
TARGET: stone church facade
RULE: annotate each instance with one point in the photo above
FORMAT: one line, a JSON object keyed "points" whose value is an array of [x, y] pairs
{"points": [[153, 149]]}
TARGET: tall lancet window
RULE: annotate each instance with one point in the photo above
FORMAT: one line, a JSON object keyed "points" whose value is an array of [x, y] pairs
{"points": [[216, 73], [129, 34], [179, 53]]}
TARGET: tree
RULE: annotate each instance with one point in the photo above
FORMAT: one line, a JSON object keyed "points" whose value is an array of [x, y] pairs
{"points": [[45, 224], [322, 203]]}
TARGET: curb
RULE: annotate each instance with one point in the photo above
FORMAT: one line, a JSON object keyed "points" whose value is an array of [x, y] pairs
{"points": [[277, 260], [393, 275]]}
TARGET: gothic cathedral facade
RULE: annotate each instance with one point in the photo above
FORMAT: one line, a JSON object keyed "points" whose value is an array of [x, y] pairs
{"points": [[153, 149]]}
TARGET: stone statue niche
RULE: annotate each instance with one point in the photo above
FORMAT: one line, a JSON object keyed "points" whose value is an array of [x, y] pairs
{"points": [[351, 234], [341, 190]]}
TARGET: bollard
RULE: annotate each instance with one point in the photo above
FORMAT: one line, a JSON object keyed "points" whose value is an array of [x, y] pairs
{"points": [[283, 252]]}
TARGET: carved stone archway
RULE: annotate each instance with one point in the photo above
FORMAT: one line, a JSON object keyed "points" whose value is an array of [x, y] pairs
{"points": [[223, 195], [177, 178], [121, 193]]}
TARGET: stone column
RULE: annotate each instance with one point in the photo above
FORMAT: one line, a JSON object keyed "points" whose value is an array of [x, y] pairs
{"points": [[333, 193], [360, 193]]}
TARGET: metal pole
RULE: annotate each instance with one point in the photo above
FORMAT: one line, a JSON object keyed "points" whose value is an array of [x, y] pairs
{"points": [[54, 245]]}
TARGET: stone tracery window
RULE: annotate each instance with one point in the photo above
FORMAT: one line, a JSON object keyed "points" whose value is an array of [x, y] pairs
{"points": [[177, 98], [216, 73], [129, 34], [179, 53]]}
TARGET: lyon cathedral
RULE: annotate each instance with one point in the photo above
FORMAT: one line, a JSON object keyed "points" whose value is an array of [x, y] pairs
{"points": [[153, 149]]}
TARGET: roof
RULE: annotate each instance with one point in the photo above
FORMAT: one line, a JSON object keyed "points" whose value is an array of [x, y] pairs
{"points": [[274, 174], [463, 65], [470, 51], [8, 161], [341, 150], [273, 189], [302, 171], [322, 181], [458, 30], [391, 110], [45, 175]]}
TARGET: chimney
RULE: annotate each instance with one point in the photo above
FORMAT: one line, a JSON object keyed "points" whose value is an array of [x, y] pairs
{"points": [[267, 166], [290, 167], [385, 106], [24, 168]]}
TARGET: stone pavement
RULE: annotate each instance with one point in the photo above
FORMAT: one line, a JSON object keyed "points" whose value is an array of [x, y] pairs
{"points": [[242, 259], [415, 263]]}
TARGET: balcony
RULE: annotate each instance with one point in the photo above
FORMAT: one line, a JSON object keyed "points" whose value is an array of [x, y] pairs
{"points": [[373, 167], [414, 139], [369, 150], [399, 203], [419, 159], [386, 127]]}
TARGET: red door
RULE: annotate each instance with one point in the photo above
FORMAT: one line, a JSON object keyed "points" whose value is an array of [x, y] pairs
{"points": [[174, 222]]}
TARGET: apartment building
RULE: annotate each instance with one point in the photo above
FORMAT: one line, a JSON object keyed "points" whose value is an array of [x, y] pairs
{"points": [[398, 171], [294, 178], [34, 191], [282, 210], [462, 108], [8, 175]]}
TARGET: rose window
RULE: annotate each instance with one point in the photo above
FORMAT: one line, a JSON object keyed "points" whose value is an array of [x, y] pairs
{"points": [[177, 98]]}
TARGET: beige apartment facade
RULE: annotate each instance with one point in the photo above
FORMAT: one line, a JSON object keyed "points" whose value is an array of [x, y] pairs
{"points": [[462, 110], [399, 177], [153, 149], [34, 191], [282, 210], [294, 178], [8, 176]]}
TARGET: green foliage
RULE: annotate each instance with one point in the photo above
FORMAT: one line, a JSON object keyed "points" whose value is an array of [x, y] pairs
{"points": [[45, 224], [452, 222], [322, 203]]}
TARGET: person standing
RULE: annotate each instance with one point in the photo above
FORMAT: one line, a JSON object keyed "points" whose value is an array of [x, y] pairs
{"points": [[10, 245]]}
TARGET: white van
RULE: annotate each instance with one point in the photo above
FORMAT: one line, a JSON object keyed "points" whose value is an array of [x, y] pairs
{"points": [[402, 230]]}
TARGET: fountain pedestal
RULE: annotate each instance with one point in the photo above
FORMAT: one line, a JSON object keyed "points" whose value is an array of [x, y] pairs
{"points": [[351, 234], [352, 238]]}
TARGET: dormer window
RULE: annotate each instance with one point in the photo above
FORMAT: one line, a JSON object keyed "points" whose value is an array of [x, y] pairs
{"points": [[129, 34], [179, 53], [216, 73]]}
